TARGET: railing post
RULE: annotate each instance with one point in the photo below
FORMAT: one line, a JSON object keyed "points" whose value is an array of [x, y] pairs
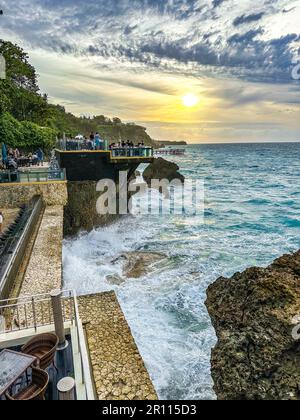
{"points": [[58, 318], [66, 389], [34, 314]]}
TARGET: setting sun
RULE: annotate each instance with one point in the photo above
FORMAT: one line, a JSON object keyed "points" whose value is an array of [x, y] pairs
{"points": [[190, 100]]}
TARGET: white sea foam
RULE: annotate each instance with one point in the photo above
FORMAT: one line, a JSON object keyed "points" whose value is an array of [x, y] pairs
{"points": [[250, 220]]}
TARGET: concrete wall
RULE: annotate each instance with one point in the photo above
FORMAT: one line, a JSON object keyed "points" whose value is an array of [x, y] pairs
{"points": [[15, 195]]}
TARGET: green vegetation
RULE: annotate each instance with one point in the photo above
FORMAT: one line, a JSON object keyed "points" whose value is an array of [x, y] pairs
{"points": [[27, 120], [25, 134]]}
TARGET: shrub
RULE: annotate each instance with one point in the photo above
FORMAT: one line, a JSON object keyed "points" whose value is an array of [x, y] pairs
{"points": [[25, 134]]}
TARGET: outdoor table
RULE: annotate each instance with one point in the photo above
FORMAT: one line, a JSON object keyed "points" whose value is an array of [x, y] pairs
{"points": [[13, 365]]}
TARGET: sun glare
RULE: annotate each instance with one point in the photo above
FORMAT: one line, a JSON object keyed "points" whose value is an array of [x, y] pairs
{"points": [[190, 100]]}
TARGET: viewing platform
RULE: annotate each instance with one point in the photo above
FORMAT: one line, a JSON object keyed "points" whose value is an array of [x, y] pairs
{"points": [[116, 152], [82, 164]]}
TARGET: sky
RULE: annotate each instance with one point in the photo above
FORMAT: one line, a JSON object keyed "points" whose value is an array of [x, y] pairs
{"points": [[194, 70]]}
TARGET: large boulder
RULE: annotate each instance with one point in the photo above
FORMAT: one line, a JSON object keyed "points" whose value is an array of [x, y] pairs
{"points": [[255, 315], [162, 169]]}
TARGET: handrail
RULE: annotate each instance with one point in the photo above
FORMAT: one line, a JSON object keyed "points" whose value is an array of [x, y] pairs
{"points": [[29, 311], [84, 358], [14, 261], [115, 152], [32, 176]]}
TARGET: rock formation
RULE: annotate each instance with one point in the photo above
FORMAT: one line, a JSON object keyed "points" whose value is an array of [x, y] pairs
{"points": [[255, 315], [162, 169], [138, 264], [81, 211]]}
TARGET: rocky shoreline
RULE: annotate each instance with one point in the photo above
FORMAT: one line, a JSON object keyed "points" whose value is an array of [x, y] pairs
{"points": [[256, 315]]}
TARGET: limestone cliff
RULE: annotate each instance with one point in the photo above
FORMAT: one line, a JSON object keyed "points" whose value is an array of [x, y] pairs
{"points": [[81, 211], [254, 314]]}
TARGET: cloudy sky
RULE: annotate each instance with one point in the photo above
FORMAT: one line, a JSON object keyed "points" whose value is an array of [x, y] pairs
{"points": [[231, 61]]}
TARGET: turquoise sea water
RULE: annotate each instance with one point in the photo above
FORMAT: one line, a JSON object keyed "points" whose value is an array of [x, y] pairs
{"points": [[252, 215]]}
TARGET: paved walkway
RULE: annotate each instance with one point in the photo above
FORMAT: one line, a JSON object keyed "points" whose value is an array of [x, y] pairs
{"points": [[44, 271], [118, 368]]}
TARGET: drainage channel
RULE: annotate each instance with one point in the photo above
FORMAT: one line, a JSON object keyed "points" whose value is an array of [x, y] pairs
{"points": [[14, 242]]}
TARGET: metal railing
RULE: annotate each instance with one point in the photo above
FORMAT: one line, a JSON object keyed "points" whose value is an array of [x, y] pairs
{"points": [[28, 312], [116, 152], [77, 145], [32, 176], [33, 312], [14, 251], [9, 177]]}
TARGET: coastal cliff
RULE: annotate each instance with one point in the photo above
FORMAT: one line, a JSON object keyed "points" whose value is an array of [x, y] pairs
{"points": [[254, 314], [81, 213]]}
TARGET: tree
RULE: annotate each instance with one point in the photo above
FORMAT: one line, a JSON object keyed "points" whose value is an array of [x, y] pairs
{"points": [[21, 87], [25, 134], [27, 118], [117, 120]]}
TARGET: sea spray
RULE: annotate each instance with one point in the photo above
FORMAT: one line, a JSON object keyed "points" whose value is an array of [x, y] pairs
{"points": [[247, 213]]}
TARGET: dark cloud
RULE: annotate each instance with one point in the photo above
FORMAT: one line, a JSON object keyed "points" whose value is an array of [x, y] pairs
{"points": [[241, 20], [248, 37], [288, 10], [167, 34], [217, 3]]}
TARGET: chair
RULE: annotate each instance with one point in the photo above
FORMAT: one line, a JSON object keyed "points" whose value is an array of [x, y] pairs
{"points": [[43, 347], [36, 390]]}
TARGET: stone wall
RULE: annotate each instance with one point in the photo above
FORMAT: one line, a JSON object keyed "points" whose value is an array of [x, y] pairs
{"points": [[53, 193]]}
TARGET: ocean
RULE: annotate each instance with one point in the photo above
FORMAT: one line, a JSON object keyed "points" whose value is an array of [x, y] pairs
{"points": [[252, 203]]}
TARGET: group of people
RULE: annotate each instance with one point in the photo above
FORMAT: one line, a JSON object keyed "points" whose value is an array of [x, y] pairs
{"points": [[125, 145], [96, 141], [13, 158]]}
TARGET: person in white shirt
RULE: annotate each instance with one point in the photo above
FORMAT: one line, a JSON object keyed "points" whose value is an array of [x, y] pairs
{"points": [[1, 221]]}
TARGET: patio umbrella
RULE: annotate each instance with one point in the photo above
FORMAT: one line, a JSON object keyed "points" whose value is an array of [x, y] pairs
{"points": [[4, 153]]}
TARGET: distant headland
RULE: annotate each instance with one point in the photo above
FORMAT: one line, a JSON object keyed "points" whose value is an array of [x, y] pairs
{"points": [[162, 143]]}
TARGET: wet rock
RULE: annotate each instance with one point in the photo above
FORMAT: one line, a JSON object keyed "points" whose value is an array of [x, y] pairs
{"points": [[138, 264], [254, 314], [115, 280], [162, 169], [81, 211]]}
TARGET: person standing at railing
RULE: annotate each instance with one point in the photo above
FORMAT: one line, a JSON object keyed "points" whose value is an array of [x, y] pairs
{"points": [[40, 156], [99, 142], [92, 140]]}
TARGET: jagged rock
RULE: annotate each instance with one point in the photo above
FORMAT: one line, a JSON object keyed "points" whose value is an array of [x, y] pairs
{"points": [[162, 169], [115, 280], [138, 264], [254, 314]]}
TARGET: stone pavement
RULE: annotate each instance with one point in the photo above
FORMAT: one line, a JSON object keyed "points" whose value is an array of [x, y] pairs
{"points": [[44, 271], [118, 368]]}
